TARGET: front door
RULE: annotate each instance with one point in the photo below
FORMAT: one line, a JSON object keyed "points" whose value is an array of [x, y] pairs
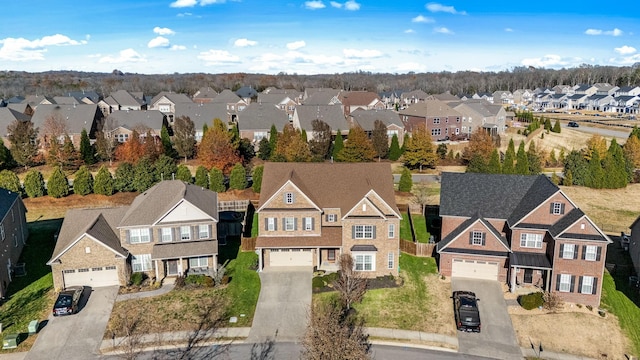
{"points": [[172, 267], [528, 276]]}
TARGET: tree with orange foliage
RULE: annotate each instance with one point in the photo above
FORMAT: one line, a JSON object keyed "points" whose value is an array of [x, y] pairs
{"points": [[216, 149], [132, 150], [480, 145], [152, 146], [291, 147]]}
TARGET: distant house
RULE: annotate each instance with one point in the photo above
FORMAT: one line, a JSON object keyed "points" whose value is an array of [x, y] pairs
{"points": [[366, 120], [165, 102], [330, 114], [204, 95], [445, 97], [202, 114], [439, 118], [502, 97], [122, 100], [256, 120], [120, 124], [13, 236], [322, 96], [481, 114], [168, 230], [247, 93], [7, 117], [75, 117], [353, 100], [413, 97], [232, 101]]}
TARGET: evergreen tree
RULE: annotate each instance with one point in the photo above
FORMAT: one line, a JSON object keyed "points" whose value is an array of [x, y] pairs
{"points": [[10, 181], [83, 181], [143, 178], [405, 141], [632, 152], [124, 177], [320, 144], [508, 166], [58, 184], [568, 178], [441, 151], [596, 176], [86, 150], [184, 138], [246, 150], [547, 124], [615, 167], [34, 184], [406, 181], [258, 171], [577, 165], [494, 163], [273, 138], [394, 148], [303, 135], [238, 177], [522, 161], [205, 127], [476, 164], [555, 178], [103, 184], [24, 142], [165, 168], [216, 180], [6, 160], [562, 156], [202, 177], [338, 145], [635, 132], [167, 146], [183, 173], [380, 139], [69, 154], [556, 127], [358, 147], [552, 158], [533, 158], [264, 149]]}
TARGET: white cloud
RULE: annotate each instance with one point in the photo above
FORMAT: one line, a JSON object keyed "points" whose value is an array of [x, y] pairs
{"points": [[296, 45], [218, 57], [178, 47], [625, 50], [409, 31], [314, 5], [125, 56], [351, 5], [443, 30], [158, 42], [508, 29], [422, 19], [546, 61], [361, 54], [336, 4], [184, 14], [435, 7], [192, 3], [627, 60], [21, 49], [614, 32], [163, 31], [244, 43]]}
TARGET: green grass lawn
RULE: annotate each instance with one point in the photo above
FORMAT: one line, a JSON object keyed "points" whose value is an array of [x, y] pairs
{"points": [[244, 288], [419, 226], [30, 297], [628, 313]]}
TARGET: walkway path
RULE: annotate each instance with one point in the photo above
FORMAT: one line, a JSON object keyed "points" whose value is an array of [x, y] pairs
{"points": [[167, 285]]}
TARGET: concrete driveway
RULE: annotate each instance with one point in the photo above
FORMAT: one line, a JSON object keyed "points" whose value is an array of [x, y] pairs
{"points": [[76, 336], [285, 298], [497, 338]]}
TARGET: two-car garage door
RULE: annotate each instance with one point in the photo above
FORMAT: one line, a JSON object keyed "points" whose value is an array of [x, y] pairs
{"points": [[291, 257], [474, 269], [94, 277]]}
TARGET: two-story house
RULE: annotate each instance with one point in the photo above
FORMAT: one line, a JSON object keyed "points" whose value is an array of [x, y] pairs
{"points": [[13, 235], [522, 230], [168, 230], [440, 119], [310, 213]]}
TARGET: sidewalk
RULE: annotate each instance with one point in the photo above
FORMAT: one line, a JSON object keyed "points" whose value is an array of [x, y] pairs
{"points": [[167, 285]]}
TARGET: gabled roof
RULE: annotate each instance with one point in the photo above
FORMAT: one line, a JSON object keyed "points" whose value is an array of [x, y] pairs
{"points": [[321, 97], [36, 100], [462, 228], [353, 98], [261, 116], [561, 227], [91, 95], [202, 114], [175, 98], [415, 94], [330, 114], [446, 97], [7, 198], [247, 92], [205, 93], [226, 97], [8, 116], [77, 117], [157, 201], [131, 119], [125, 98], [430, 108], [367, 118], [66, 100], [331, 185], [100, 224], [274, 98]]}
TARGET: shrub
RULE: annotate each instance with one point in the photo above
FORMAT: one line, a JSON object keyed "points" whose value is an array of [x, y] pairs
{"points": [[317, 282], [179, 282], [531, 301], [258, 171], [199, 280], [10, 181], [238, 177], [184, 174], [202, 177], [124, 177], [83, 181], [103, 183], [58, 185], [34, 184], [216, 180], [137, 278], [406, 183], [590, 307], [552, 301]]}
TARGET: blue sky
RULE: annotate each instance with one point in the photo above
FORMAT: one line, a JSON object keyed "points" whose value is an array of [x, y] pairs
{"points": [[314, 37]]}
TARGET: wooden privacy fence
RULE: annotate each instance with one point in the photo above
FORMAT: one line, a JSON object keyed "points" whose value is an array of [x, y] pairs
{"points": [[233, 205], [248, 244], [417, 249]]}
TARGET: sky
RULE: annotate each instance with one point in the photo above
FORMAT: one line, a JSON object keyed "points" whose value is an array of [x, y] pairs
{"points": [[315, 36]]}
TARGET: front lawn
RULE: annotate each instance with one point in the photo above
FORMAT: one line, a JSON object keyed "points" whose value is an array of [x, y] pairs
{"points": [[628, 313], [31, 297]]}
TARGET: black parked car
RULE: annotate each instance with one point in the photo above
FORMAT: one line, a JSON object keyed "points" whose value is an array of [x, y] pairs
{"points": [[68, 300], [465, 308], [573, 124]]}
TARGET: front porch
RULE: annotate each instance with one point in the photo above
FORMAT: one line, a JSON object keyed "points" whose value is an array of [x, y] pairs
{"points": [[185, 258], [529, 271]]}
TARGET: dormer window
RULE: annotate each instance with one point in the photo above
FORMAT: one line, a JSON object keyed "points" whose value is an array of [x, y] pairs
{"points": [[288, 198], [557, 208]]}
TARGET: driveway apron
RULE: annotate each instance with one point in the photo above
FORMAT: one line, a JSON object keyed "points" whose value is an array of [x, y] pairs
{"points": [[76, 336], [497, 338], [285, 298]]}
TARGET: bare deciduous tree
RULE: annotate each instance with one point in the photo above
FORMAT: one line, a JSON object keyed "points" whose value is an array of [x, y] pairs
{"points": [[350, 284]]}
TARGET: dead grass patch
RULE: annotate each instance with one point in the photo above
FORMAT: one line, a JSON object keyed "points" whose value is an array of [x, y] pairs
{"points": [[46, 207]]}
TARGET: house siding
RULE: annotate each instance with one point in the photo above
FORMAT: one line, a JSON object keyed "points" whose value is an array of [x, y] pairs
{"points": [[15, 233], [634, 245], [543, 215], [381, 241], [579, 267]]}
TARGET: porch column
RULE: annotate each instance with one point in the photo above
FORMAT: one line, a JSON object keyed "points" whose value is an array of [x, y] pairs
{"points": [[157, 275], [548, 283], [259, 252], [180, 267], [318, 257], [513, 279]]}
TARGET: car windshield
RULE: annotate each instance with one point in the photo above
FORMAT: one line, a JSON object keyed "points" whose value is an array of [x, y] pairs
{"points": [[63, 301], [467, 302]]}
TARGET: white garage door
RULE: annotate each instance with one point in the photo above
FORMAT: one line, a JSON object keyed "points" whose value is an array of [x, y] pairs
{"points": [[473, 269], [94, 277], [291, 257]]}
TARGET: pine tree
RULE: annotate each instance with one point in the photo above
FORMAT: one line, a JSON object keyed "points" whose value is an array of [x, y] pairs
{"points": [[124, 177], [533, 158], [10, 181], [555, 178], [34, 184], [86, 150], [264, 149], [556, 127], [508, 166], [238, 177], [24, 142], [167, 146], [358, 147], [406, 181], [338, 145], [394, 148], [405, 141], [258, 171], [165, 168], [615, 167], [635, 132], [380, 139], [142, 177], [183, 173], [273, 137], [420, 151], [103, 184], [303, 135], [83, 181], [477, 164], [184, 136], [522, 161], [568, 178], [202, 177], [58, 184], [552, 158], [547, 124], [596, 176], [494, 163], [216, 180], [6, 160]]}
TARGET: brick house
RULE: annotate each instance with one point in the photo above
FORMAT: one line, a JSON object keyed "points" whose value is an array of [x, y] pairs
{"points": [[168, 230], [521, 230], [634, 245], [310, 213], [13, 235], [440, 119]]}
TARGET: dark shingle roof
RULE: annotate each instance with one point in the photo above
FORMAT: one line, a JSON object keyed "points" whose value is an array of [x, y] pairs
{"points": [[152, 119], [367, 118], [529, 260], [202, 114], [225, 97], [261, 117], [77, 117], [7, 198], [330, 114]]}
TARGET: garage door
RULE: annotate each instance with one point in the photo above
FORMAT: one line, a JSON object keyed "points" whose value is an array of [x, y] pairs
{"points": [[94, 277], [473, 269], [291, 257]]}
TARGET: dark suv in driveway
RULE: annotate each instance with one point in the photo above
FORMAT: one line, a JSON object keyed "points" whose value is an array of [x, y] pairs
{"points": [[68, 301], [465, 308]]}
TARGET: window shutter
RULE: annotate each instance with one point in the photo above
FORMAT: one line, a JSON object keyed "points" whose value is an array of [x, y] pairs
{"points": [[484, 238], [374, 231], [295, 224], [128, 237], [471, 238], [211, 236], [312, 223], [561, 250], [584, 251], [326, 218], [275, 224], [573, 283], [599, 253], [551, 208], [353, 231], [558, 282], [562, 208], [266, 224], [594, 288], [575, 251], [579, 285], [151, 236]]}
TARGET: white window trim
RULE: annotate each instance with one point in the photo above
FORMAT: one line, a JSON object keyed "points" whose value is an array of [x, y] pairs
{"points": [[185, 235], [392, 231], [203, 231], [587, 286], [363, 232], [139, 236], [565, 283], [197, 262], [476, 238], [308, 223], [564, 252], [288, 198], [557, 208], [526, 241], [166, 235], [390, 260], [271, 224], [331, 218], [141, 262], [591, 253], [289, 224], [361, 259]]}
